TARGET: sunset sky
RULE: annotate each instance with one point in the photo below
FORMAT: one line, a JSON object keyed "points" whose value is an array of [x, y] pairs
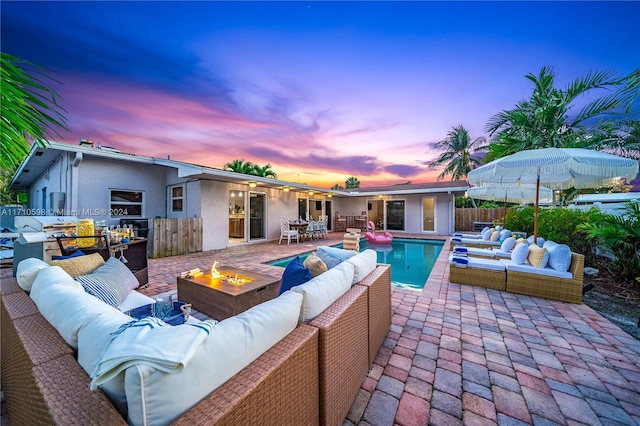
{"points": [[320, 90]]}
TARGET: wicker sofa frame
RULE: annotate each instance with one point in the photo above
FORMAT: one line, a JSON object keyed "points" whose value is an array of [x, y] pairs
{"points": [[564, 289], [488, 278], [310, 377]]}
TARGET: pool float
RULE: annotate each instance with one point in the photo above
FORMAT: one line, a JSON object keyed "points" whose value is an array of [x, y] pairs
{"points": [[372, 237]]}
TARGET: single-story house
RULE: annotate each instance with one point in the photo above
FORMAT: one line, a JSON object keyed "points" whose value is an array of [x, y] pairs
{"points": [[106, 184]]}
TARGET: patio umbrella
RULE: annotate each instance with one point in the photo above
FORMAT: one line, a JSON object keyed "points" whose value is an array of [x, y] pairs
{"points": [[555, 168], [510, 193]]}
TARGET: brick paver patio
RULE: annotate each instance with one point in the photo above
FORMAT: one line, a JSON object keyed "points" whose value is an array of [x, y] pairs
{"points": [[458, 354]]}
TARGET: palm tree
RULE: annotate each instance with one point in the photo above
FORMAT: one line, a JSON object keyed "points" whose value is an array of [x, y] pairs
{"points": [[29, 110], [352, 182], [264, 171], [239, 166], [545, 120], [337, 186], [457, 156]]}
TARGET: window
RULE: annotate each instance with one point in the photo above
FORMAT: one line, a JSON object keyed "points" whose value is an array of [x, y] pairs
{"points": [[177, 198], [126, 203]]}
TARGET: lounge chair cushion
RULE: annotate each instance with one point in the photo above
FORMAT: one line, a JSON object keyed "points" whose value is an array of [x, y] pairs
{"points": [[315, 265], [294, 274], [480, 262], [530, 269], [559, 257], [519, 253], [155, 397], [81, 265], [111, 282], [538, 256], [507, 244], [27, 271], [363, 263], [320, 292]]}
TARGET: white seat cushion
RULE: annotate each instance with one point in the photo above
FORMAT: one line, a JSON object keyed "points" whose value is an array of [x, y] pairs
{"points": [[135, 299], [155, 397], [320, 292], [530, 269], [363, 264], [482, 263], [27, 271]]}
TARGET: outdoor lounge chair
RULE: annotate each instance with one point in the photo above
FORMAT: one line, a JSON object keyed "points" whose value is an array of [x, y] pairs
{"points": [[480, 272]]}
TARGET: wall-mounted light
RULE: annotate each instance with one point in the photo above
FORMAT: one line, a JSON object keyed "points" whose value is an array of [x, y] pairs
{"points": [[233, 194], [380, 196], [252, 184], [310, 192], [285, 189], [329, 195]]}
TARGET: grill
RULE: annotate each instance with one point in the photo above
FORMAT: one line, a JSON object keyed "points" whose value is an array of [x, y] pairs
{"points": [[30, 228]]}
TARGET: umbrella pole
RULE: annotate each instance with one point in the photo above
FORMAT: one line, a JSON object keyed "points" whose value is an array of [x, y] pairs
{"points": [[504, 215], [535, 214]]}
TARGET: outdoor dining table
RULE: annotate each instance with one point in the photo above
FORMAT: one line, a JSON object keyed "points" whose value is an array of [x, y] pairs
{"points": [[301, 227]]}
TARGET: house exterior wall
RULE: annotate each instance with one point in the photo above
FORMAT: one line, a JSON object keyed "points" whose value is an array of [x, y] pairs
{"points": [[54, 179]]}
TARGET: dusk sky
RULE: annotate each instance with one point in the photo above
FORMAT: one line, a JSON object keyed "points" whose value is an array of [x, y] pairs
{"points": [[320, 90]]}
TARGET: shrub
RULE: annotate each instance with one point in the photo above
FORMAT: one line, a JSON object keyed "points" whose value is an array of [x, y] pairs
{"points": [[557, 224], [621, 234]]}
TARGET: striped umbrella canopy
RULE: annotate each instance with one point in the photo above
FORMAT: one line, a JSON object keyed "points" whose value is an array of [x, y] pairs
{"points": [[511, 193], [556, 168]]}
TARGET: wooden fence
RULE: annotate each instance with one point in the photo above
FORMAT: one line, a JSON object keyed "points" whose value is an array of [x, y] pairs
{"points": [[172, 237], [465, 217]]}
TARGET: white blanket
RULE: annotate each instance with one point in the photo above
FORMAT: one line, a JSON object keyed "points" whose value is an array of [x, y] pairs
{"points": [[152, 342]]}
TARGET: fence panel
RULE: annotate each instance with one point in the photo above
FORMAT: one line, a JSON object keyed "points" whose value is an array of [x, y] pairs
{"points": [[174, 236], [465, 217]]}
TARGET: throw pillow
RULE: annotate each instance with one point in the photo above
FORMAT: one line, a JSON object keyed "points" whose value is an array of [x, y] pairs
{"points": [[330, 262], [486, 235], [519, 254], [507, 245], [520, 241], [315, 265], [294, 274], [81, 265], [559, 257], [538, 256], [338, 253], [111, 283], [549, 243], [74, 254], [495, 236], [504, 234], [539, 241]]}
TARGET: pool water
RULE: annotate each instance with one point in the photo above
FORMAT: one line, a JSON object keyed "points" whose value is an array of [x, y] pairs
{"points": [[411, 260]]}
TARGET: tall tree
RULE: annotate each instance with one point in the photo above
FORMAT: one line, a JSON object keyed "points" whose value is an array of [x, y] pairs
{"points": [[547, 118], [457, 156], [352, 183], [29, 109], [264, 171]]}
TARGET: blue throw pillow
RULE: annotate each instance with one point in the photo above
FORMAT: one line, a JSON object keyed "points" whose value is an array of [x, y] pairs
{"points": [[294, 274], [74, 254], [328, 260]]}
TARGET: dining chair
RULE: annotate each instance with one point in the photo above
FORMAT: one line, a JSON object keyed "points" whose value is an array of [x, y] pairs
{"points": [[286, 232]]}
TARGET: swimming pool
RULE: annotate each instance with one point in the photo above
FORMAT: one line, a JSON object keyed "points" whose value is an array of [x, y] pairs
{"points": [[411, 260]]}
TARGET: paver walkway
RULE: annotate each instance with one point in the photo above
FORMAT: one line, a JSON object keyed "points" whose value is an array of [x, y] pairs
{"points": [[459, 354]]}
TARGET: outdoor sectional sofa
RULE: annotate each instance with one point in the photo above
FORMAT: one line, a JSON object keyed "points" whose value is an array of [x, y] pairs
{"points": [[507, 275], [310, 376]]}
